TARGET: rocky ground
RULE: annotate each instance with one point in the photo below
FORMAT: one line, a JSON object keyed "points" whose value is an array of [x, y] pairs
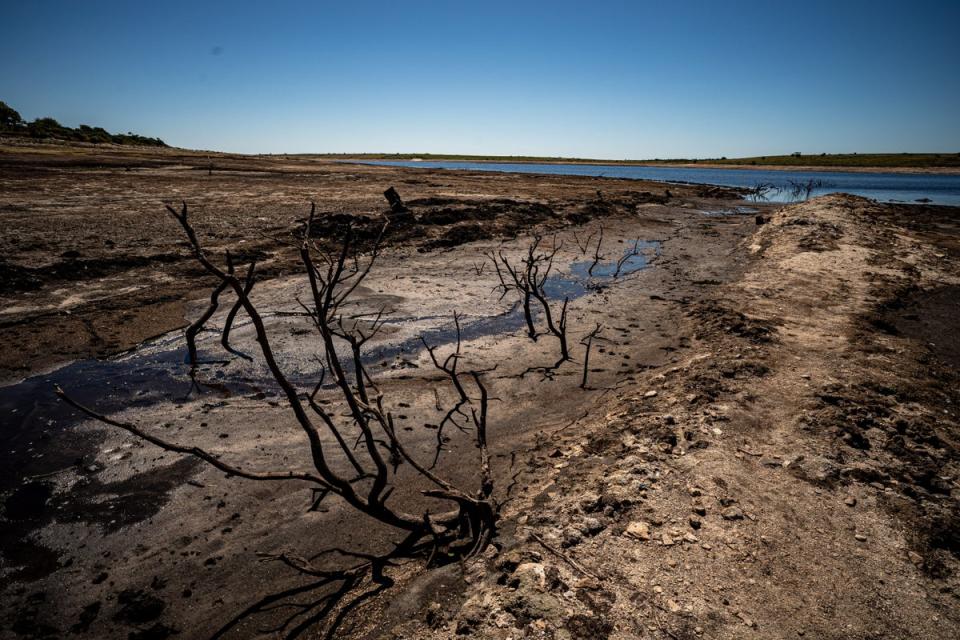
{"points": [[795, 475], [767, 446]]}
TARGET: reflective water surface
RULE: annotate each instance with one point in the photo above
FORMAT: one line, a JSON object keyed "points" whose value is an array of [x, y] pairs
{"points": [[885, 187]]}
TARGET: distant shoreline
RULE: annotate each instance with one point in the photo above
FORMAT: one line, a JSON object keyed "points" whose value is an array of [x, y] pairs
{"points": [[917, 164], [673, 165]]}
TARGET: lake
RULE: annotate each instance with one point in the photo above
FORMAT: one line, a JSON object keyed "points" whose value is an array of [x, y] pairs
{"points": [[885, 187]]}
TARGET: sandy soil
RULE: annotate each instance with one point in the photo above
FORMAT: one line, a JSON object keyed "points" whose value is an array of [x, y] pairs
{"points": [[767, 446]]}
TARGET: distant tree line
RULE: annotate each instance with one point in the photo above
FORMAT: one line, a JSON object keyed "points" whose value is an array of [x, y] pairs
{"points": [[11, 123]]}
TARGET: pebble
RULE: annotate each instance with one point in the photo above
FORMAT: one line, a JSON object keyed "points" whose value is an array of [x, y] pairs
{"points": [[638, 530], [650, 394], [860, 537], [695, 522], [732, 513], [850, 502]]}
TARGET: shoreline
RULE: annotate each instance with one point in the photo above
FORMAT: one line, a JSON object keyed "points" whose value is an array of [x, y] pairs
{"points": [[11, 146], [946, 171]]}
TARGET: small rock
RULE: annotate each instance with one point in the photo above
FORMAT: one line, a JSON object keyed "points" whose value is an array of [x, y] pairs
{"points": [[650, 394], [638, 530], [860, 537], [531, 575], [669, 419], [571, 538], [747, 621], [591, 502], [915, 558], [689, 537], [591, 526], [850, 502], [699, 509], [672, 606], [666, 540], [732, 513], [591, 584], [695, 522]]}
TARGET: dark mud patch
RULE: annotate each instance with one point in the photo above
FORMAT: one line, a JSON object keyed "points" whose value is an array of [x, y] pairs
{"points": [[818, 235], [897, 430], [16, 278], [713, 314], [109, 505], [445, 222], [930, 317], [436, 223]]}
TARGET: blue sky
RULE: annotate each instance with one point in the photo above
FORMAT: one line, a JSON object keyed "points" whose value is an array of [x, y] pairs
{"points": [[589, 79]]}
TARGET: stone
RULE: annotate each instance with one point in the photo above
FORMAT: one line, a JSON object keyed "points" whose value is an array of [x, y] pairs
{"points": [[591, 584], [915, 558], [669, 419], [529, 606], [650, 394], [666, 540], [850, 502], [591, 526], [695, 522], [638, 530], [590, 502], [700, 510], [571, 538], [860, 537], [531, 575], [732, 513]]}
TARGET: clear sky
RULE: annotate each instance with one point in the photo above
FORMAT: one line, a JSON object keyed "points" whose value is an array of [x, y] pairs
{"points": [[592, 78]]}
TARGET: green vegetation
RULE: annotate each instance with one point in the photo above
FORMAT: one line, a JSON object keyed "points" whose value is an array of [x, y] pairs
{"points": [[837, 160], [12, 124]]}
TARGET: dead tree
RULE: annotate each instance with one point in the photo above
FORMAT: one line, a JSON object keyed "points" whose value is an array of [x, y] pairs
{"points": [[628, 255], [528, 279], [466, 520], [587, 343], [596, 253]]}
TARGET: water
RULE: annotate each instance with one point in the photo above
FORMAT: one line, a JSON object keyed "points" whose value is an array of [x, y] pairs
{"points": [[884, 187]]}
